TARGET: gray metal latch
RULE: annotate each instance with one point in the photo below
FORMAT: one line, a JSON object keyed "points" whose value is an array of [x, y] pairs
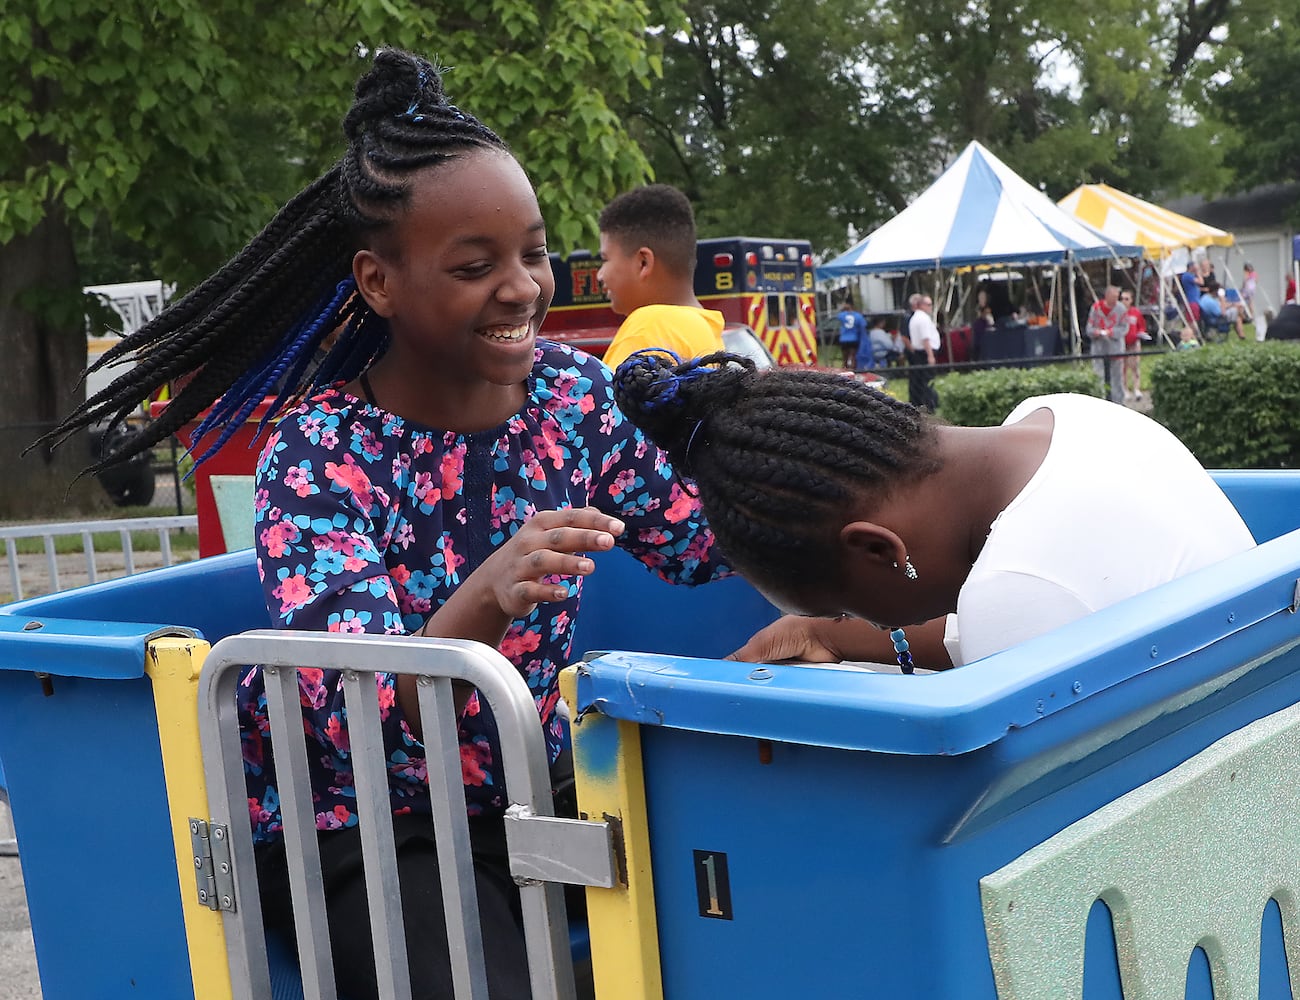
{"points": [[213, 870], [551, 849]]}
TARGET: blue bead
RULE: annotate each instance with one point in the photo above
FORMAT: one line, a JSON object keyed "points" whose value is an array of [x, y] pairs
{"points": [[897, 634], [901, 646]]}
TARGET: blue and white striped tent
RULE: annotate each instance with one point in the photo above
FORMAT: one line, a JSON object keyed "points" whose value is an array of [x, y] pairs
{"points": [[979, 211]]}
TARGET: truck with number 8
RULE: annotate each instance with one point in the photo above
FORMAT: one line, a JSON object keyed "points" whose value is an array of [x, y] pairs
{"points": [[765, 284]]}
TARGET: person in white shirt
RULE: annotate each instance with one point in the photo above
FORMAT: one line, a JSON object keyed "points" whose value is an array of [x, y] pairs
{"points": [[924, 335], [853, 511]]}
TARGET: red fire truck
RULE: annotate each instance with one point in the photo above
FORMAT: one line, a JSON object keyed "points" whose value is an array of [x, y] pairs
{"points": [[766, 284]]}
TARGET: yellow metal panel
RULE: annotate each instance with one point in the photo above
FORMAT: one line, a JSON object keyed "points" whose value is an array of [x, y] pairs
{"points": [[610, 784], [173, 665]]}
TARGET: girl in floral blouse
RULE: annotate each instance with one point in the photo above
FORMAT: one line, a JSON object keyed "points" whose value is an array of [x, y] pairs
{"points": [[444, 473]]}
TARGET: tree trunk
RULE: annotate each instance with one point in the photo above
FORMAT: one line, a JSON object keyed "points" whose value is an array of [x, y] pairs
{"points": [[43, 347]]}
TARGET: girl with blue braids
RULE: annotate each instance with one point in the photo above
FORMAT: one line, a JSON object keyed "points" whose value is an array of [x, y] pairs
{"points": [[437, 470]]}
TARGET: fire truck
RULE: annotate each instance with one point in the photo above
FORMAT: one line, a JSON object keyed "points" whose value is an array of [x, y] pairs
{"points": [[765, 284]]}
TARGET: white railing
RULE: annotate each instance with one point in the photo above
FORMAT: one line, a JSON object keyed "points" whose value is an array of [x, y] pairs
{"points": [[164, 526]]}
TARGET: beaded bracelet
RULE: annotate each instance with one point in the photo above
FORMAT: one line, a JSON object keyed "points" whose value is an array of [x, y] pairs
{"points": [[901, 648]]}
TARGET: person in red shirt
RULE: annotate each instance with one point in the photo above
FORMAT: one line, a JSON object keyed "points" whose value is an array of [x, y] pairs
{"points": [[1137, 332]]}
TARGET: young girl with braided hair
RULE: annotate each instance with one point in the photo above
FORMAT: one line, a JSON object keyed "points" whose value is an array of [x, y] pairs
{"points": [[859, 513], [440, 471]]}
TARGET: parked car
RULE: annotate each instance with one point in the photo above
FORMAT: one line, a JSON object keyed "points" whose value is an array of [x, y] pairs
{"points": [[129, 483], [740, 338]]}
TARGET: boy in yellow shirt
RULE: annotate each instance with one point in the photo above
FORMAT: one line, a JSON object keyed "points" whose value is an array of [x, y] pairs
{"points": [[647, 252]]}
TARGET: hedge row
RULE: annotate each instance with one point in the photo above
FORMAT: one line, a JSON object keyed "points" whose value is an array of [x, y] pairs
{"points": [[984, 398], [1233, 408]]}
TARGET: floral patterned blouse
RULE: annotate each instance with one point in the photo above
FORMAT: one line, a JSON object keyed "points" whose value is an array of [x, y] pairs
{"points": [[366, 522]]}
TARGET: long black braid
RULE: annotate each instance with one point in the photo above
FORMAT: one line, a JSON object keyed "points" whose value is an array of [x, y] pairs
{"points": [[777, 456], [256, 326]]}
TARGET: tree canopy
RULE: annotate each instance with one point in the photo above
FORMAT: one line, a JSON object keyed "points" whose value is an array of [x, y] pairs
{"points": [[152, 142], [159, 138], [823, 120]]}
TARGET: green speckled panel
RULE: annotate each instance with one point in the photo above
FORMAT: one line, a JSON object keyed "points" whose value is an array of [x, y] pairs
{"points": [[1188, 859]]}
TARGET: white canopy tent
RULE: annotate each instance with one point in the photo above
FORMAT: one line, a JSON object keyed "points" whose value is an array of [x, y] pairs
{"points": [[978, 211]]}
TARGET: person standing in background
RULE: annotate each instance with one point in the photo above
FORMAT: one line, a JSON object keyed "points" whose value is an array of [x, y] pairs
{"points": [[1249, 286], [853, 332], [1137, 332], [1107, 325], [647, 253], [924, 335]]}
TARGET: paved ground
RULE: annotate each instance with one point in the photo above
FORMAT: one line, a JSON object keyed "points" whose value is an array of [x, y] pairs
{"points": [[18, 978]]}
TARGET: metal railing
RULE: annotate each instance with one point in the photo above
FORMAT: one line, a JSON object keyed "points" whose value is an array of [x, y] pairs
{"points": [[544, 850], [123, 527]]}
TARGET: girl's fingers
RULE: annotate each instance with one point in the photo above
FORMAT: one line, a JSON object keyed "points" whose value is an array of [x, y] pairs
{"points": [[545, 562], [577, 540], [578, 517]]}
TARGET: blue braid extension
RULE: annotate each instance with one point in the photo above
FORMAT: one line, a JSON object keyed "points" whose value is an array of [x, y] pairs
{"points": [[235, 405], [665, 388], [421, 79], [252, 387], [289, 386], [364, 339]]}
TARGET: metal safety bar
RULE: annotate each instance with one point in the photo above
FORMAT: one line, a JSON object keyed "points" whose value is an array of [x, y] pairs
{"points": [[436, 662], [87, 529]]}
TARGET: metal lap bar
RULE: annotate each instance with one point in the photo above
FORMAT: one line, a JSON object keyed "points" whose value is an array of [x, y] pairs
{"points": [[302, 852], [370, 781], [451, 830], [437, 662]]}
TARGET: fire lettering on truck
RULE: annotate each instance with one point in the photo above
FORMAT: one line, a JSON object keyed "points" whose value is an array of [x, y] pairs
{"points": [[586, 289]]}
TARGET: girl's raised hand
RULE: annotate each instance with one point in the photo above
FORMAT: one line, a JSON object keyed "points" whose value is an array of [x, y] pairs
{"points": [[552, 543]]}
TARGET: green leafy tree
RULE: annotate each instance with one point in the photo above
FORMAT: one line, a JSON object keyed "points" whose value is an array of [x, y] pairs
{"points": [[170, 133], [100, 107], [1257, 94], [769, 119], [820, 119]]}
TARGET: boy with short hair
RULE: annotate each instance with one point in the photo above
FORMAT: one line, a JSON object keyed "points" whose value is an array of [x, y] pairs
{"points": [[647, 252]]}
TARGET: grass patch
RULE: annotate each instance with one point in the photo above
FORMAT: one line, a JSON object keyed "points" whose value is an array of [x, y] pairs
{"points": [[183, 542]]}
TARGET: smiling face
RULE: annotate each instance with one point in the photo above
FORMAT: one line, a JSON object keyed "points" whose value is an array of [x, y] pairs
{"points": [[462, 276]]}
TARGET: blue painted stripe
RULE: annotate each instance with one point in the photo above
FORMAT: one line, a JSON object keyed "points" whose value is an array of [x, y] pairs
{"points": [[1061, 238], [973, 219]]}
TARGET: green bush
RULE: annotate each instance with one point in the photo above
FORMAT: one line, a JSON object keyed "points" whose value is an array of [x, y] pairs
{"points": [[986, 398], [1235, 409]]}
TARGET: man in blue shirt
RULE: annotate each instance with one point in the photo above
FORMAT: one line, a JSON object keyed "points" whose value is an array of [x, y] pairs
{"points": [[1191, 282], [853, 335]]}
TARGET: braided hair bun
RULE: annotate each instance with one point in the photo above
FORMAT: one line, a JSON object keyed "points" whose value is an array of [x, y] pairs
{"points": [[673, 401]]}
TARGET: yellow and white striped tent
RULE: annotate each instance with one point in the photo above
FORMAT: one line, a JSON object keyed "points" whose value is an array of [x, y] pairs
{"points": [[1127, 219]]}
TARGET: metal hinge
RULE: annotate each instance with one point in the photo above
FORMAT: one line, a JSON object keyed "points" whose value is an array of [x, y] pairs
{"points": [[213, 871], [572, 851]]}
